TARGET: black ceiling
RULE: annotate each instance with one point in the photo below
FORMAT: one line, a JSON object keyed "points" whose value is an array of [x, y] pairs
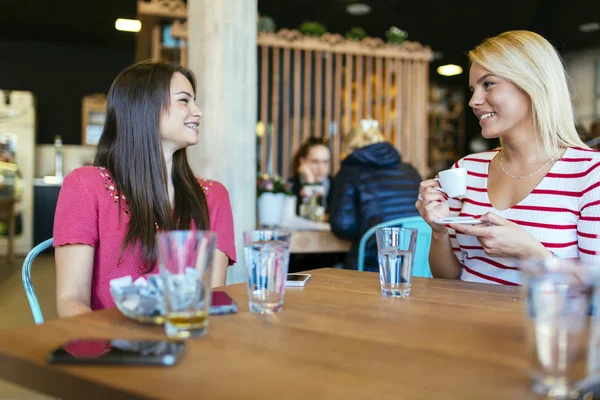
{"points": [[74, 21], [448, 27]]}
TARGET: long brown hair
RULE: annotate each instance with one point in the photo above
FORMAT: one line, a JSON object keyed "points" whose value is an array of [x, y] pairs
{"points": [[305, 149], [130, 149]]}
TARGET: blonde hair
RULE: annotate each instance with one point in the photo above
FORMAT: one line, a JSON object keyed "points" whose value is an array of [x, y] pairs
{"points": [[357, 138], [530, 62]]}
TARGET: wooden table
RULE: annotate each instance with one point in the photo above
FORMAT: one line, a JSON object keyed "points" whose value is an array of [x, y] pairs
{"points": [[318, 242], [337, 338]]}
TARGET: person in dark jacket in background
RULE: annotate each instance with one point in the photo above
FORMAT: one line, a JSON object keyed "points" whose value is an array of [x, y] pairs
{"points": [[372, 186]]}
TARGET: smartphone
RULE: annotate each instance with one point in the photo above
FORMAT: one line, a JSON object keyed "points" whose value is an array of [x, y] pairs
{"points": [[297, 280], [222, 304], [118, 352]]}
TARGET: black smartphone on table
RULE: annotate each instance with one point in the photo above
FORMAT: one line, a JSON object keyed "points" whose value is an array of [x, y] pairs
{"points": [[297, 280], [118, 352], [222, 303]]}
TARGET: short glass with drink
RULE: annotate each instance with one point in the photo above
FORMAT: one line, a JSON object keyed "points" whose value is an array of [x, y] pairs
{"points": [[563, 334], [267, 254], [395, 252], [185, 259]]}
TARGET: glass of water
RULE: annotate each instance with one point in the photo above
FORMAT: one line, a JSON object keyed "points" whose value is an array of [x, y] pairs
{"points": [[186, 268], [563, 334], [395, 252], [267, 254]]}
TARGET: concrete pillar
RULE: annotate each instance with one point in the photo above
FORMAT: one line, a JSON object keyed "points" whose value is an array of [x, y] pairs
{"points": [[222, 54]]}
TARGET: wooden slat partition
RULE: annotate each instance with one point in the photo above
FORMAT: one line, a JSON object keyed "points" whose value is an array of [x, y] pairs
{"points": [[368, 87], [358, 97], [264, 104], [405, 121], [348, 92], [337, 111], [389, 98], [342, 82], [399, 105], [275, 113], [378, 115], [285, 153], [297, 99], [307, 94], [317, 131], [328, 93]]}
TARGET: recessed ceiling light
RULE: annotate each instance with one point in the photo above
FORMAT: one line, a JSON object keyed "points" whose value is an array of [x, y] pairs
{"points": [[450, 70], [128, 25], [589, 27], [358, 9]]}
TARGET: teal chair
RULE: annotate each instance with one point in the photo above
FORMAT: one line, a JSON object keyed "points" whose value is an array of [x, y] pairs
{"points": [[421, 262], [28, 285]]}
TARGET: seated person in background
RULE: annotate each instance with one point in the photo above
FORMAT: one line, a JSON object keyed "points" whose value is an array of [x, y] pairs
{"points": [[539, 193], [108, 214], [311, 166], [372, 186]]}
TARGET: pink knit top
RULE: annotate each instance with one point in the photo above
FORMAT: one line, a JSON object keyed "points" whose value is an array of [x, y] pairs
{"points": [[88, 212]]}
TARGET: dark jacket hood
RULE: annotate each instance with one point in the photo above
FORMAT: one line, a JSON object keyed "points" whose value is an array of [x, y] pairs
{"points": [[379, 155]]}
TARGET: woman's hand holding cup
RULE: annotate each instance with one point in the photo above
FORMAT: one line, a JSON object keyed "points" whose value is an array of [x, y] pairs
{"points": [[432, 204], [433, 195]]}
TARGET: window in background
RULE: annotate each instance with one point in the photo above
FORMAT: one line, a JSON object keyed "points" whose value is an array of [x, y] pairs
{"points": [[93, 111]]}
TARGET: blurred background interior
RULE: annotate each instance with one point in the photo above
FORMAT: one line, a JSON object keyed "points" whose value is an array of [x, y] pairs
{"points": [[58, 59]]}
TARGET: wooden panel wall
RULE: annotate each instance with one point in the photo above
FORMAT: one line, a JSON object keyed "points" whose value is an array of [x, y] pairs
{"points": [[317, 93]]}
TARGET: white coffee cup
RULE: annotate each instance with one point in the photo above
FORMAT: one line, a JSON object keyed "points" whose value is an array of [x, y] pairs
{"points": [[453, 182]]}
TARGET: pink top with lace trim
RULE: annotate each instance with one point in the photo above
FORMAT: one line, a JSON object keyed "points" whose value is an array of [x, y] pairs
{"points": [[88, 213]]}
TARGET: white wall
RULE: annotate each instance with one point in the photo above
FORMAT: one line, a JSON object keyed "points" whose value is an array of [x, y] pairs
{"points": [[73, 157], [581, 68]]}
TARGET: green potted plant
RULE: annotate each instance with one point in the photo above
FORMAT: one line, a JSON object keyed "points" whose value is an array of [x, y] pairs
{"points": [[396, 35], [356, 33], [312, 28]]}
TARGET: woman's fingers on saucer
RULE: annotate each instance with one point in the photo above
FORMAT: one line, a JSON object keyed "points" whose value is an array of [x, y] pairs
{"points": [[471, 230]]}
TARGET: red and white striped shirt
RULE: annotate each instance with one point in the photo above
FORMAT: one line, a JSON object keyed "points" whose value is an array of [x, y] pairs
{"points": [[562, 212]]}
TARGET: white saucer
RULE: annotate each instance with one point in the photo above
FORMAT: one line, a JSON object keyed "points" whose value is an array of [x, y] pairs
{"points": [[458, 220]]}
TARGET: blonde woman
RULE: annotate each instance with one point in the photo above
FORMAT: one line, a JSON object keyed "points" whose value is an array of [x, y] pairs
{"points": [[372, 186], [539, 193]]}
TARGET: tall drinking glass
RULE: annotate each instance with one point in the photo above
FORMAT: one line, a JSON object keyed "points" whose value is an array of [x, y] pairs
{"points": [[267, 254], [186, 268], [563, 336], [395, 252]]}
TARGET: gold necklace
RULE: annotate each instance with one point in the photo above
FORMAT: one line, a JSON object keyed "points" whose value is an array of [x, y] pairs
{"points": [[525, 176]]}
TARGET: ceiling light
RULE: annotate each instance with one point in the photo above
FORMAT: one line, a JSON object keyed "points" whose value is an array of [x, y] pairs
{"points": [[358, 9], [589, 27], [449, 70], [128, 25]]}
